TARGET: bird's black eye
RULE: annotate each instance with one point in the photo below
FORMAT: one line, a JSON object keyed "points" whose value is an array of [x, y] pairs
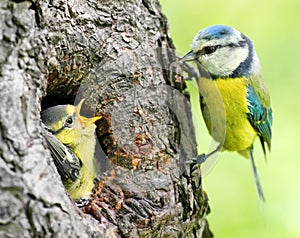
{"points": [[209, 50], [69, 121]]}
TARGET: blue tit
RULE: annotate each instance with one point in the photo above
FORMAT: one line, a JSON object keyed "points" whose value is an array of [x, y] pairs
{"points": [[71, 139], [234, 99]]}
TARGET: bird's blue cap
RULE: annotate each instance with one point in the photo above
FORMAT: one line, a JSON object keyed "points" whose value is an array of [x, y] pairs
{"points": [[217, 31]]}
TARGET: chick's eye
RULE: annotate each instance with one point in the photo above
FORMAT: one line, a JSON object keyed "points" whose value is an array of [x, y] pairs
{"points": [[69, 120], [209, 49]]}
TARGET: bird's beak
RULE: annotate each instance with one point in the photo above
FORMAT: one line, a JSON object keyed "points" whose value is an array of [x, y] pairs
{"points": [[84, 120], [78, 107], [190, 56], [94, 119]]}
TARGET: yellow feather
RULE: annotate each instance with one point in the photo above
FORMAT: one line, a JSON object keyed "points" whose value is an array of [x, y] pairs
{"points": [[225, 113], [84, 150], [78, 134], [83, 186], [81, 139]]}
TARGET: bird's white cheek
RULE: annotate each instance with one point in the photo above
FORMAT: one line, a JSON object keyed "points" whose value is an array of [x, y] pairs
{"points": [[225, 61], [217, 65], [237, 57]]}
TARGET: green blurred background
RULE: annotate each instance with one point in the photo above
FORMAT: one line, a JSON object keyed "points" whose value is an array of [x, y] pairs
{"points": [[274, 27]]}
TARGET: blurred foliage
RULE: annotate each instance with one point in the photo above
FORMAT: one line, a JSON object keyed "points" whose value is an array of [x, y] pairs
{"points": [[275, 30]]}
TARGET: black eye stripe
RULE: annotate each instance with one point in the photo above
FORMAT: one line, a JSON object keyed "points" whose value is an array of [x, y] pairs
{"points": [[211, 49], [207, 50], [55, 132], [67, 124], [239, 44]]}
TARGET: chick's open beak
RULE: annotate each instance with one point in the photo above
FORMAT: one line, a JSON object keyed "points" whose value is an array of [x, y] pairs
{"points": [[84, 120]]}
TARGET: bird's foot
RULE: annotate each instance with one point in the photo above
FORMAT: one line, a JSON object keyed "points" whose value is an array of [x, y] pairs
{"points": [[196, 161], [200, 159]]}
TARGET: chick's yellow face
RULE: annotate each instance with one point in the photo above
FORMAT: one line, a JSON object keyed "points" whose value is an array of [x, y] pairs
{"points": [[68, 126], [73, 128]]}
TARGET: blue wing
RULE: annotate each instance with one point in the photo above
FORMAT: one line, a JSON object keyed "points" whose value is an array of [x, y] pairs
{"points": [[260, 118]]}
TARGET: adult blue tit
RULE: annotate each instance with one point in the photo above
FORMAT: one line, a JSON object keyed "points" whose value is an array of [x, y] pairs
{"points": [[234, 99], [72, 145]]}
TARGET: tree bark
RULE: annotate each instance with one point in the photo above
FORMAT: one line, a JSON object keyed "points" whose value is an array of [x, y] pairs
{"points": [[117, 55]]}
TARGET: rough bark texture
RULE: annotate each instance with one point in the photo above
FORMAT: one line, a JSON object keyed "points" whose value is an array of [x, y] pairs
{"points": [[116, 55]]}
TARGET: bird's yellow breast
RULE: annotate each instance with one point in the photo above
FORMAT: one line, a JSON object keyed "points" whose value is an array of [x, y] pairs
{"points": [[84, 150], [225, 111]]}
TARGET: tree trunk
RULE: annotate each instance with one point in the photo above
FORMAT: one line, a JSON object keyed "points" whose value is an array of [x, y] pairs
{"points": [[116, 55]]}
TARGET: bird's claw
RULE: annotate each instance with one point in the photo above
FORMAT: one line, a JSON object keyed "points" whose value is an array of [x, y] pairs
{"points": [[200, 159], [196, 161]]}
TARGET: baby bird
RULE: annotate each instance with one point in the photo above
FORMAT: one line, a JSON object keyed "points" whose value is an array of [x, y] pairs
{"points": [[72, 142]]}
